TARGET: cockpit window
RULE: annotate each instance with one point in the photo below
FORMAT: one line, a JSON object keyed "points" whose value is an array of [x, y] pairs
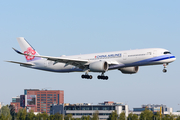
{"points": [[167, 52]]}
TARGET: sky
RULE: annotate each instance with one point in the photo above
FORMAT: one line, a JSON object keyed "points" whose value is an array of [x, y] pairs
{"points": [[73, 27]]}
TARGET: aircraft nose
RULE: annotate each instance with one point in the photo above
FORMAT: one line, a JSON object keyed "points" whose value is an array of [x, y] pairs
{"points": [[173, 58]]}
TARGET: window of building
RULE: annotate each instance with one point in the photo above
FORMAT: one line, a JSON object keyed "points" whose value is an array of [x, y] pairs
{"points": [[43, 99], [106, 108], [38, 99], [43, 94], [54, 94], [43, 102], [123, 107], [38, 94], [54, 99], [49, 97], [43, 107], [38, 104], [49, 94]]}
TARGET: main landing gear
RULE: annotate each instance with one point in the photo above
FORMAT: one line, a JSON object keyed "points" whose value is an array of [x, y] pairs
{"points": [[165, 65], [102, 77], [86, 76]]}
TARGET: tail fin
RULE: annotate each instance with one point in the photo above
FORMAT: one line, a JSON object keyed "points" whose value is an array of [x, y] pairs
{"points": [[27, 49]]}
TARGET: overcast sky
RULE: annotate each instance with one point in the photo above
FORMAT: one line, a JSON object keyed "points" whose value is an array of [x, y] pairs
{"points": [[73, 27]]}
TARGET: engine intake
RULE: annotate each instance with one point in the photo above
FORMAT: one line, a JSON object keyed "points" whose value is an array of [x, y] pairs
{"points": [[99, 66], [129, 70]]}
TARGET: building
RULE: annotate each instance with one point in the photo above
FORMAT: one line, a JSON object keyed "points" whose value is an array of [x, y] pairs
{"points": [[38, 100], [163, 109], [16, 103], [84, 109], [1, 105], [44, 99]]}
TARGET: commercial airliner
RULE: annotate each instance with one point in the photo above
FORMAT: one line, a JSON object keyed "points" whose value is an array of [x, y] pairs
{"points": [[127, 62]]}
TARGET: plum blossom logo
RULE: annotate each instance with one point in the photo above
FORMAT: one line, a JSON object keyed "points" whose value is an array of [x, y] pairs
{"points": [[29, 51]]}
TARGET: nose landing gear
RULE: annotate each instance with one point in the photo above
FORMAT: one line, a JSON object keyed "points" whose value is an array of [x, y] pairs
{"points": [[165, 65]]}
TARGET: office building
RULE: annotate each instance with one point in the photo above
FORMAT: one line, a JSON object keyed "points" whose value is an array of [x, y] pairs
{"points": [[84, 109], [44, 99], [154, 108], [16, 103], [38, 100]]}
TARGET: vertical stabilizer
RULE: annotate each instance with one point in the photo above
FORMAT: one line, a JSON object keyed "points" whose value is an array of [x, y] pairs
{"points": [[27, 49]]}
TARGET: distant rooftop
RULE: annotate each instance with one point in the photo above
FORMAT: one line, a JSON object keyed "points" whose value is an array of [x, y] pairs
{"points": [[41, 90], [86, 104]]}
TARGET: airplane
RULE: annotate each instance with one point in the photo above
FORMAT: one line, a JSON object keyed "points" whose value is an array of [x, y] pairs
{"points": [[127, 62]]}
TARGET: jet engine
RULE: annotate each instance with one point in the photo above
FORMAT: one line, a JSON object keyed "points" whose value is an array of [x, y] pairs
{"points": [[129, 70], [99, 66]]}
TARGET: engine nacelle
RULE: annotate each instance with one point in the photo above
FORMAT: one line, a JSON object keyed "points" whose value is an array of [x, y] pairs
{"points": [[129, 70], [99, 66]]}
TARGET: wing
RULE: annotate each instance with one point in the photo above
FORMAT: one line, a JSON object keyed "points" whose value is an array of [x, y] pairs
{"points": [[68, 61]]}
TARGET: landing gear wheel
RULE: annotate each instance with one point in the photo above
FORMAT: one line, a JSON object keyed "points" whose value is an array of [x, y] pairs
{"points": [[86, 76], [102, 77], [82, 76], [164, 70]]}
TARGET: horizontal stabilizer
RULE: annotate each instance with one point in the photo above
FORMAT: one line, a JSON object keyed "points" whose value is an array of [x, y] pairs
{"points": [[21, 63], [17, 51]]}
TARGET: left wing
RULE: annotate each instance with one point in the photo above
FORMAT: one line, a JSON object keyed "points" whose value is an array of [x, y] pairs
{"points": [[68, 61]]}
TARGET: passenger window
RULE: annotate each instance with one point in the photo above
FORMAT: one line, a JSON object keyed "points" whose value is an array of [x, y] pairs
{"points": [[149, 53]]}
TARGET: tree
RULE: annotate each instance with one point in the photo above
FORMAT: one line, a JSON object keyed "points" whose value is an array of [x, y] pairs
{"points": [[146, 115], [5, 113], [178, 118], [95, 116], [12, 111], [2, 117], [68, 117], [30, 115], [113, 116], [132, 116], [44, 116], [85, 117], [57, 116], [21, 115], [157, 116], [122, 116], [168, 117]]}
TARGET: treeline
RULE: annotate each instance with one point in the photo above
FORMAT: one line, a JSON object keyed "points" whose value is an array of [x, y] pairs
{"points": [[7, 113]]}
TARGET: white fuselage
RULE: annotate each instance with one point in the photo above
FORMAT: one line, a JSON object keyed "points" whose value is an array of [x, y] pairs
{"points": [[116, 60]]}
